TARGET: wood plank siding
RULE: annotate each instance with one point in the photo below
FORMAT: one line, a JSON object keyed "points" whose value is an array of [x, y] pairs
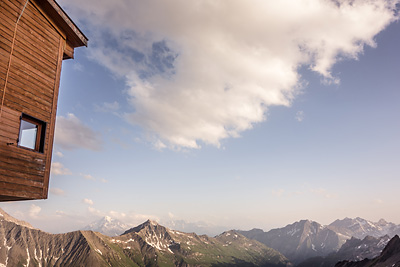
{"points": [[31, 54]]}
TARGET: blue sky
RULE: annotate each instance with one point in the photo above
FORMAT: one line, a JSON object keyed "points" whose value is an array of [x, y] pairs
{"points": [[236, 114]]}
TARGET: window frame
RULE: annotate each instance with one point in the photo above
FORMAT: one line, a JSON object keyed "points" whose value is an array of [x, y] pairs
{"points": [[40, 134]]}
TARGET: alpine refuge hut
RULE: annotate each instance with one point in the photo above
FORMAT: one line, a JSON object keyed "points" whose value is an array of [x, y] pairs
{"points": [[35, 37]]}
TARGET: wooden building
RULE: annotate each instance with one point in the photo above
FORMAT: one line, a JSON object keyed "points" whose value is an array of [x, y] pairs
{"points": [[35, 36]]}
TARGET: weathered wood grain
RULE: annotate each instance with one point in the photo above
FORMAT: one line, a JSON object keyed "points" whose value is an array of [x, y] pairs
{"points": [[31, 54]]}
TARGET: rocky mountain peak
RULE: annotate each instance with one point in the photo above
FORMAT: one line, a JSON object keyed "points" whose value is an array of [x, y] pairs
{"points": [[390, 256], [360, 228], [151, 222], [230, 236], [5, 216], [382, 222], [300, 240], [148, 226], [307, 223], [393, 247], [148, 244]]}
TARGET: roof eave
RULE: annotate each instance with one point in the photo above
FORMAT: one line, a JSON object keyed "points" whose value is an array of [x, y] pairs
{"points": [[75, 36]]}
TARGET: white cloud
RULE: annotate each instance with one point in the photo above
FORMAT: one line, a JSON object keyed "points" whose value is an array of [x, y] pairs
{"points": [[117, 215], [135, 218], [71, 133], [300, 116], [202, 71], [57, 168], [57, 191], [95, 212], [59, 154], [131, 218], [92, 178], [88, 201], [77, 66], [88, 177], [34, 210]]}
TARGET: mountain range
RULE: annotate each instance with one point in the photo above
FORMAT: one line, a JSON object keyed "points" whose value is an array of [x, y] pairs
{"points": [[148, 244], [306, 239], [112, 227], [353, 250], [360, 228], [303, 243], [390, 256]]}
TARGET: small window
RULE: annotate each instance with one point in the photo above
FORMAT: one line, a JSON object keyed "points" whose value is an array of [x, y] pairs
{"points": [[32, 133]]}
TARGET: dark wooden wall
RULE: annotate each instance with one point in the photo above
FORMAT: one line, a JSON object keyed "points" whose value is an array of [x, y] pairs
{"points": [[32, 88]]}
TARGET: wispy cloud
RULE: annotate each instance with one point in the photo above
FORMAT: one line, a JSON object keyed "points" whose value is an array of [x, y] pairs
{"points": [[94, 211], [130, 218], [300, 116], [34, 210], [137, 218], [77, 66], [108, 107], [88, 201], [59, 154], [57, 191], [88, 177], [61, 213], [212, 69], [71, 133], [57, 168], [117, 215]]}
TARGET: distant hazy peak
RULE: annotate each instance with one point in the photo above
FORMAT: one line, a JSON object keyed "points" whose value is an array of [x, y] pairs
{"points": [[382, 221], [107, 226]]}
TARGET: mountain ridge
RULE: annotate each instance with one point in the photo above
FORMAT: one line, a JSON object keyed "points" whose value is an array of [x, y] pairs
{"points": [[360, 228], [353, 250], [300, 240], [148, 244], [390, 256], [5, 216], [151, 241], [306, 239]]}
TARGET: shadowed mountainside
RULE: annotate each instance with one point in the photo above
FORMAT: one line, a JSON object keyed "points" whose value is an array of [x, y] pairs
{"points": [[390, 256], [308, 239], [353, 250]]}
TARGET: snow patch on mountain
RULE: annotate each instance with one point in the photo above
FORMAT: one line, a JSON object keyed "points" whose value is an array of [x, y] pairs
{"points": [[361, 228]]}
